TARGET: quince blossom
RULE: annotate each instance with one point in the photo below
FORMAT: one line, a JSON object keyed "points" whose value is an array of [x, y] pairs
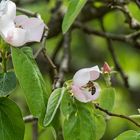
{"points": [[18, 30], [83, 87]]}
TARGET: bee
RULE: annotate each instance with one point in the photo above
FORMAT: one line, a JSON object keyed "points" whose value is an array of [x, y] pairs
{"points": [[91, 87]]}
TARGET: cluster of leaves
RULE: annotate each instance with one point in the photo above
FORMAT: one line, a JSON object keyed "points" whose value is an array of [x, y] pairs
{"points": [[76, 115]]}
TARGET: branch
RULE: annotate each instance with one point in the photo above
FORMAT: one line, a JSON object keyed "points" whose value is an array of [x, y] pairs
{"points": [[35, 130], [117, 65], [65, 61], [57, 49], [116, 115], [44, 51], [27, 12], [129, 38], [133, 23]]}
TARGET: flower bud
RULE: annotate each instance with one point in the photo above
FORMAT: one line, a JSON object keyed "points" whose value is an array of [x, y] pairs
{"points": [[106, 68]]}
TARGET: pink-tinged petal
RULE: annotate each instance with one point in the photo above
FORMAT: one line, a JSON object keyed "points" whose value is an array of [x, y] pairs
{"points": [[8, 12], [83, 95], [16, 37], [34, 27], [78, 94], [35, 34], [94, 73], [5, 25], [83, 76], [20, 20]]}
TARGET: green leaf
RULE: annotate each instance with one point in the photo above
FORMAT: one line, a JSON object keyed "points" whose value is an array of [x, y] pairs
{"points": [[100, 126], [80, 125], [129, 135], [11, 122], [74, 8], [107, 98], [30, 80], [53, 104], [67, 105], [7, 83]]}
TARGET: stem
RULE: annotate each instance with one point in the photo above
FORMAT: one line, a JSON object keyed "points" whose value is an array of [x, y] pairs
{"points": [[35, 130], [4, 61], [117, 115]]}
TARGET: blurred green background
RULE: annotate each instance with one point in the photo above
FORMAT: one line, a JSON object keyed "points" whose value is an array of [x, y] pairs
{"points": [[87, 51]]}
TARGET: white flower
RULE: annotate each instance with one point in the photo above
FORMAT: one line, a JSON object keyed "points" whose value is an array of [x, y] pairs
{"points": [[83, 87], [18, 30]]}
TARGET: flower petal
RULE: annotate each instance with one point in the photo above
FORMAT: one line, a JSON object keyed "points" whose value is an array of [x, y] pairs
{"points": [[7, 9], [78, 94], [8, 12], [11, 10], [6, 24], [16, 37], [34, 27], [20, 20], [3, 7], [94, 73], [83, 76], [85, 95]]}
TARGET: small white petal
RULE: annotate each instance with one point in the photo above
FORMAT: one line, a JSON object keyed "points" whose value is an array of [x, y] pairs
{"points": [[6, 25], [11, 10], [20, 20], [34, 27], [3, 7], [7, 9], [83, 76], [17, 37], [8, 12], [94, 73]]}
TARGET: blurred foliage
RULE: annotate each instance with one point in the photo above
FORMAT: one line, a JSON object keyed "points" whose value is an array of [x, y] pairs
{"points": [[87, 51]]}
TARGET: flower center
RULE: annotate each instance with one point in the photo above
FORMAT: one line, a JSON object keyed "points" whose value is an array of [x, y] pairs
{"points": [[91, 87], [19, 26]]}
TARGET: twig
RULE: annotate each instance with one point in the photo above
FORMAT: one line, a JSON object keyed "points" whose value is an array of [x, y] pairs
{"points": [[50, 62], [58, 4], [26, 12], [43, 43], [129, 38], [57, 49], [117, 65], [35, 130], [89, 31], [28, 119], [133, 23], [65, 61], [44, 51], [116, 115]]}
